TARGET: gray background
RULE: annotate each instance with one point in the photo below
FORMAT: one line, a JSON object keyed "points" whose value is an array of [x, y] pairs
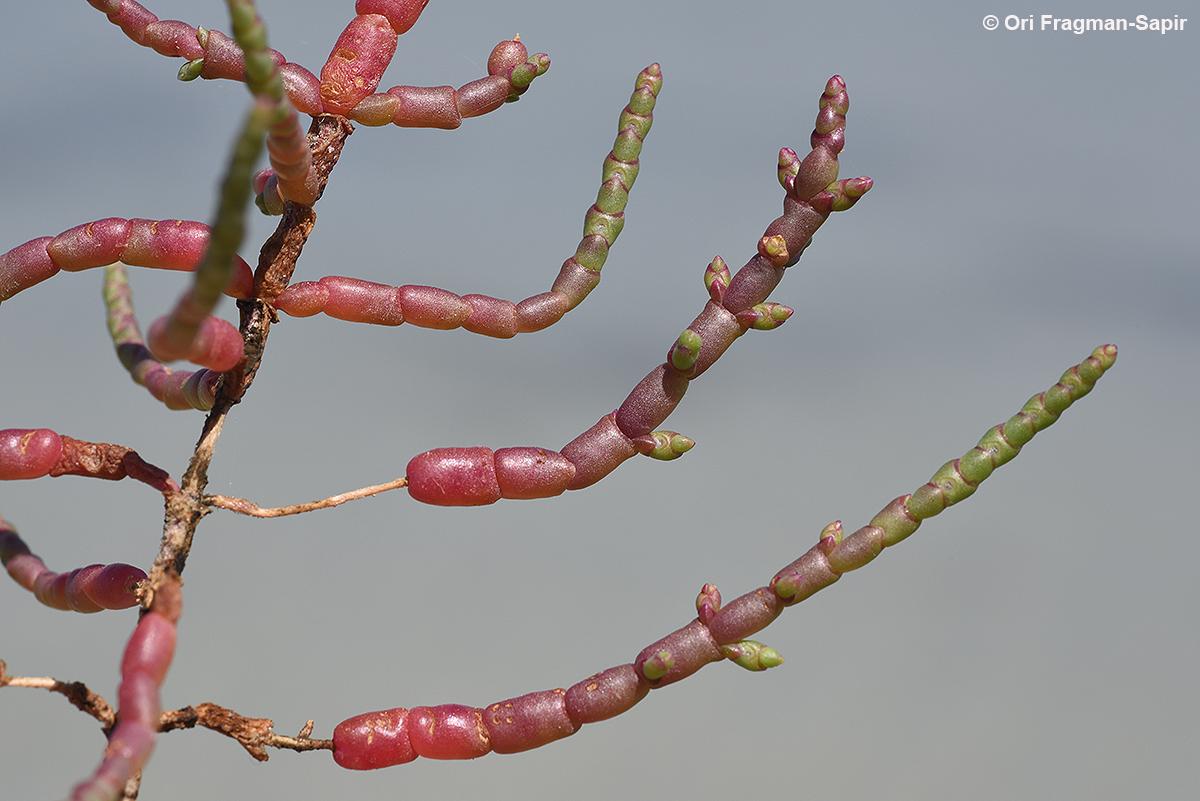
{"points": [[1034, 198]]}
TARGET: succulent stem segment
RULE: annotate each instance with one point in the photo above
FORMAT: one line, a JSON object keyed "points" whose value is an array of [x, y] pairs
{"points": [[452, 731], [85, 589], [361, 301], [737, 303]]}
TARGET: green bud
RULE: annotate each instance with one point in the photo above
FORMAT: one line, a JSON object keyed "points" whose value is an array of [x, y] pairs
{"points": [[191, 70], [717, 278], [658, 665], [834, 530], [522, 75], [663, 445], [752, 655], [686, 350]]}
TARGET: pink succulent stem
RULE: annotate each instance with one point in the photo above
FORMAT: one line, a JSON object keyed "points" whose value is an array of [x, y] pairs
{"points": [[85, 589], [176, 389], [159, 244], [468, 476], [144, 667], [452, 731], [33, 453], [357, 63], [400, 14], [216, 344], [510, 71]]}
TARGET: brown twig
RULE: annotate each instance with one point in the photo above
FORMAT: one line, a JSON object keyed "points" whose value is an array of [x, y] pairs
{"points": [[245, 507], [277, 261], [75, 691], [254, 734]]}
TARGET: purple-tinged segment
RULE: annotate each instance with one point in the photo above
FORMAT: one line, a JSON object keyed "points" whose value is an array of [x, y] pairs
{"points": [[530, 721], [357, 63], [678, 655], [803, 577], [491, 317], [856, 550], [481, 96], [93, 244], [541, 311], [359, 301], [430, 307], [425, 107], [745, 616], [651, 401], [717, 329], [303, 299], [528, 473], [505, 56], [151, 648], [598, 451], [400, 14], [580, 274], [24, 266], [217, 344], [605, 695], [166, 244]]}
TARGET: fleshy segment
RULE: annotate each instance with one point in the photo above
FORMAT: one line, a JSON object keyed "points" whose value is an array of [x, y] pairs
{"points": [[176, 389], [85, 589], [510, 72], [159, 244], [453, 731], [144, 667], [361, 301], [27, 453], [737, 303]]}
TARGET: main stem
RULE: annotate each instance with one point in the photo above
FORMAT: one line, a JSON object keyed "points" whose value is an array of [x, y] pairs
{"points": [[276, 264]]}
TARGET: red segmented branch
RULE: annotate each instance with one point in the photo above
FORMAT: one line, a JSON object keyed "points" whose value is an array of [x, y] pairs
{"points": [[210, 54], [160, 244], [217, 346], [33, 453], [144, 666], [401, 14], [357, 63], [510, 71], [737, 303], [85, 589], [453, 731], [166, 37], [176, 389], [480, 476], [368, 302], [360, 301]]}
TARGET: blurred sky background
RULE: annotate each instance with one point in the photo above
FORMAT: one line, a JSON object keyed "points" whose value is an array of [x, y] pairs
{"points": [[1034, 198]]}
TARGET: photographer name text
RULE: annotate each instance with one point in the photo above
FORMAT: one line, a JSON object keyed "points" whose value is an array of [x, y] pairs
{"points": [[1049, 22]]}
